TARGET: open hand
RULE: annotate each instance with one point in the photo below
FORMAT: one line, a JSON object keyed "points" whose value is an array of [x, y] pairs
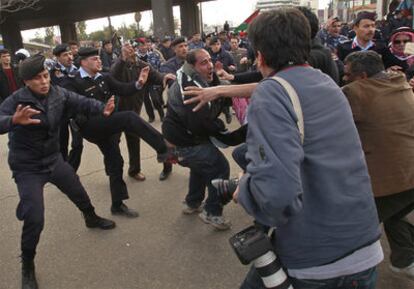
{"points": [[23, 115], [143, 76], [167, 77], [201, 96], [109, 107]]}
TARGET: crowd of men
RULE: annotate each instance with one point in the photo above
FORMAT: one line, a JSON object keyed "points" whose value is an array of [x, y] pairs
{"points": [[324, 175]]}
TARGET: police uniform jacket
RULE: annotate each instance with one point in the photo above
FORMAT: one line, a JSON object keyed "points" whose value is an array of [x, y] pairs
{"points": [[35, 147], [224, 57], [172, 65], [101, 88], [347, 47]]}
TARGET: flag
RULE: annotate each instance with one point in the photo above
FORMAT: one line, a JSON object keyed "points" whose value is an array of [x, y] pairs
{"points": [[245, 24]]}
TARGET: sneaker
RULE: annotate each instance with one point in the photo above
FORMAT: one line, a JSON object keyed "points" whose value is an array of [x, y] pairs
{"points": [[187, 210], [218, 222], [406, 271]]}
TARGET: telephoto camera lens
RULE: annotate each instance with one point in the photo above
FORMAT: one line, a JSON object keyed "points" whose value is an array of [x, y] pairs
{"points": [[270, 270], [225, 189], [253, 246]]}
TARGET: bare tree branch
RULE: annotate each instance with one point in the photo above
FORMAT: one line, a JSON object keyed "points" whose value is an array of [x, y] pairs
{"points": [[11, 6]]}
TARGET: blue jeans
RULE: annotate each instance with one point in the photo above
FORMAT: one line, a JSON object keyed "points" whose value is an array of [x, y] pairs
{"points": [[364, 280], [206, 163]]}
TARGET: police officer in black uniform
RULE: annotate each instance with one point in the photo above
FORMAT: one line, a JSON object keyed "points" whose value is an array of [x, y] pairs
{"points": [[32, 116], [62, 68], [364, 40], [105, 132]]}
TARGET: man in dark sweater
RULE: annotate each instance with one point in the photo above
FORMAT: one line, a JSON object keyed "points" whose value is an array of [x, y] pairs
{"points": [[190, 131]]}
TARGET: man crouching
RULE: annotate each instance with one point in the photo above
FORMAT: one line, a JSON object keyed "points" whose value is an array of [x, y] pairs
{"points": [[190, 132], [32, 117]]}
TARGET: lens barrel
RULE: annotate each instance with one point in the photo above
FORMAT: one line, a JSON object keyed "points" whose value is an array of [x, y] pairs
{"points": [[270, 270]]}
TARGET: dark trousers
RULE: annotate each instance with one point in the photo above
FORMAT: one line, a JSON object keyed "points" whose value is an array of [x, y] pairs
{"points": [[74, 156], [31, 206], [152, 100], [363, 280], [105, 133], [239, 156], [392, 211], [206, 163], [133, 141]]}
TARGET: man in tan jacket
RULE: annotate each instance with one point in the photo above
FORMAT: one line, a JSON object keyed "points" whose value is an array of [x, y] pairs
{"points": [[382, 104]]}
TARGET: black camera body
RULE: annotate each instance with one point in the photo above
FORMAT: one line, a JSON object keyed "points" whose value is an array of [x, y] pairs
{"points": [[250, 244]]}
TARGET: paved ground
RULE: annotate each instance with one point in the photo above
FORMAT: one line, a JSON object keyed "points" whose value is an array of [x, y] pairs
{"points": [[162, 249]]}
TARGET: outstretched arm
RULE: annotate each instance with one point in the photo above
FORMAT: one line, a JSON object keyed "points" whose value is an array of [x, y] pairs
{"points": [[204, 95]]}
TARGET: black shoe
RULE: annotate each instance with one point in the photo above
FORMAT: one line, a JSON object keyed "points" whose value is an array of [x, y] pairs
{"points": [[92, 220], [123, 210], [28, 275], [164, 175]]}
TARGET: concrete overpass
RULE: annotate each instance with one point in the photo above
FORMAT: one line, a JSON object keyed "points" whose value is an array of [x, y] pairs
{"points": [[66, 13]]}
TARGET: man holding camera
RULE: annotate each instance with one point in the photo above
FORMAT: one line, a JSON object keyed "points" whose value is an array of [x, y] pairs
{"points": [[316, 191]]}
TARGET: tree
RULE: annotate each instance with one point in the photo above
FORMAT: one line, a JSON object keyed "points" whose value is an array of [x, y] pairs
{"points": [[38, 38], [81, 27], [12, 6], [50, 35]]}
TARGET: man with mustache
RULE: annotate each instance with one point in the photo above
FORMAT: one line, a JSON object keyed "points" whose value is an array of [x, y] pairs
{"points": [[364, 27], [190, 133]]}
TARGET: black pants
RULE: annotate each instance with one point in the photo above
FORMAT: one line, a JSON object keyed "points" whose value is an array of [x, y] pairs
{"points": [[154, 99], [31, 206], [132, 140], [206, 163], [105, 133], [74, 156], [392, 211]]}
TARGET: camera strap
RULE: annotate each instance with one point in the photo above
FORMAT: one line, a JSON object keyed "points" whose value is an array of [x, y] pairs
{"points": [[296, 105]]}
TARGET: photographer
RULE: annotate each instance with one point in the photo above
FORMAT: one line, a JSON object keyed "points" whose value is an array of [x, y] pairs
{"points": [[317, 193]]}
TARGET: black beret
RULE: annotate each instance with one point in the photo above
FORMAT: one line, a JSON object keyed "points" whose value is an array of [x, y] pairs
{"points": [[214, 40], [105, 42], [85, 52], [365, 15], [60, 49], [178, 40], [31, 66]]}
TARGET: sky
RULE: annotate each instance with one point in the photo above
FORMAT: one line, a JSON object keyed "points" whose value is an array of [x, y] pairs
{"points": [[214, 13]]}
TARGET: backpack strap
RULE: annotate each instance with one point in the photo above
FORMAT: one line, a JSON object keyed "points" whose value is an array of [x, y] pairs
{"points": [[296, 105]]}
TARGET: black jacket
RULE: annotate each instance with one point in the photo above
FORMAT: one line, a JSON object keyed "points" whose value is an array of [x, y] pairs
{"points": [[183, 127], [345, 48], [320, 58], [35, 148], [101, 88], [4, 83]]}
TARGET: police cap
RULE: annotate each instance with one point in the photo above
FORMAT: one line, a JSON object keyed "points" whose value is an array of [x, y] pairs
{"points": [[58, 50], [31, 66], [85, 52], [178, 40]]}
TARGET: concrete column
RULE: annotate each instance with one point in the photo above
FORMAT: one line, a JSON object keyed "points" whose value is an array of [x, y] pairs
{"points": [[12, 39], [68, 32], [163, 21], [380, 9], [190, 18]]}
